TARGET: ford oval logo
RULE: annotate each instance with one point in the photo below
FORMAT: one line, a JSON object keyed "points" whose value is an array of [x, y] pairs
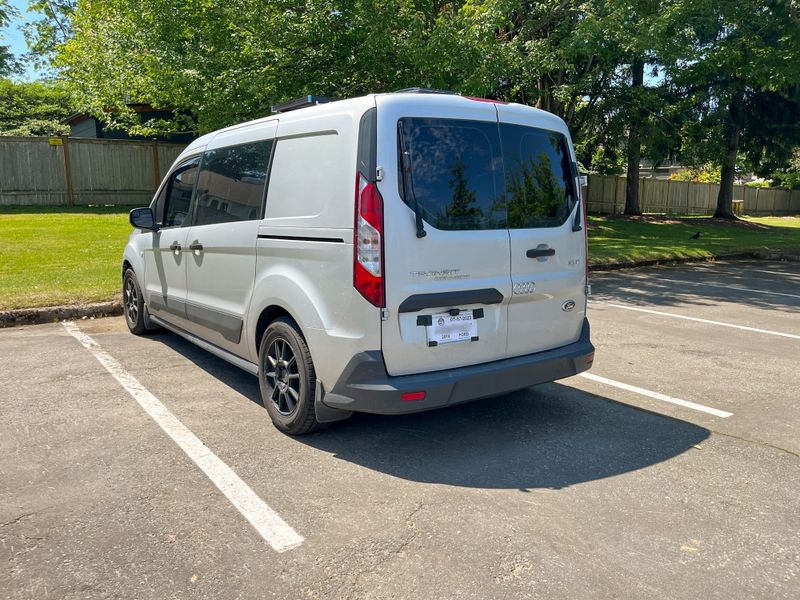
{"points": [[568, 305]]}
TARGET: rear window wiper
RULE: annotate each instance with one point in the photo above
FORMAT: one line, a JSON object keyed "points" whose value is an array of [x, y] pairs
{"points": [[576, 224], [408, 181]]}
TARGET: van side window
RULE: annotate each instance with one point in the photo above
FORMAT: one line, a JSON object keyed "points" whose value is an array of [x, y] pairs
{"points": [[172, 206], [231, 183]]}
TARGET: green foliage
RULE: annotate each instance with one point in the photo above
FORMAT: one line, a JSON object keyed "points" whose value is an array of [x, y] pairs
{"points": [[736, 66], [787, 179], [8, 64], [46, 34], [707, 174], [228, 62], [33, 108], [759, 184]]}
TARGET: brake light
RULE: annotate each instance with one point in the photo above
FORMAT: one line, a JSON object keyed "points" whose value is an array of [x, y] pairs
{"points": [[585, 235], [476, 99], [368, 242]]}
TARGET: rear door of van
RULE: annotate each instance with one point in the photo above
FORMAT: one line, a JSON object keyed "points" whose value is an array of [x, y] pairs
{"points": [[545, 221], [447, 284]]}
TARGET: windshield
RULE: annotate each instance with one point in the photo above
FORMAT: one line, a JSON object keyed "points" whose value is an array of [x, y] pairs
{"points": [[467, 174]]}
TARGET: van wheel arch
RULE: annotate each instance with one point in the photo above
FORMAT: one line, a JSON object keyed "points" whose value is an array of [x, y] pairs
{"points": [[125, 266], [267, 316]]}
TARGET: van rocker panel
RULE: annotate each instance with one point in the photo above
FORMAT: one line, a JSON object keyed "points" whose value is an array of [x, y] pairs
{"points": [[365, 385]]}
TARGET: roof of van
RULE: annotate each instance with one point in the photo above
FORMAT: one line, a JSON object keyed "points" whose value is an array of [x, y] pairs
{"points": [[362, 103]]}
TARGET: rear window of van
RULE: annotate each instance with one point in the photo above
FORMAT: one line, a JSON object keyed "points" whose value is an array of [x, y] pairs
{"points": [[466, 174]]}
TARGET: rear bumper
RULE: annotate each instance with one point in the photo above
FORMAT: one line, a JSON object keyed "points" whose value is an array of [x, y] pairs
{"points": [[365, 385]]}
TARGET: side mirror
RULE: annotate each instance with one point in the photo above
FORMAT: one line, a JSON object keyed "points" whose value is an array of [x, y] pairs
{"points": [[143, 218]]}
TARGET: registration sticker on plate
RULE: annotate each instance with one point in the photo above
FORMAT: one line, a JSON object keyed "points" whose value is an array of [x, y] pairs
{"points": [[447, 329]]}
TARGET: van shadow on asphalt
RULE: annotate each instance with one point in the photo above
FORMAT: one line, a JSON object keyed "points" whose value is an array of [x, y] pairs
{"points": [[549, 436]]}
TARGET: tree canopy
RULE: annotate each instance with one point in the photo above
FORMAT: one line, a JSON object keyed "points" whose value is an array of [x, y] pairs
{"points": [[7, 62], [34, 108], [708, 81]]}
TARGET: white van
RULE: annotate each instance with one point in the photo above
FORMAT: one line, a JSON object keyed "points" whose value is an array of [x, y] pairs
{"points": [[387, 254]]}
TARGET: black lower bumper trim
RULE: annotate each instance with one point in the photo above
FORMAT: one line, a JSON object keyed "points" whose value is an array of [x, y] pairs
{"points": [[365, 385]]}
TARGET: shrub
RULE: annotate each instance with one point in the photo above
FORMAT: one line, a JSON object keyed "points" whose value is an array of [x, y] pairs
{"points": [[787, 179], [759, 184], [707, 174]]}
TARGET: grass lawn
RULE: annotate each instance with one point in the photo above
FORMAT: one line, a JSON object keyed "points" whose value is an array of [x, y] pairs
{"points": [[623, 240], [52, 255]]}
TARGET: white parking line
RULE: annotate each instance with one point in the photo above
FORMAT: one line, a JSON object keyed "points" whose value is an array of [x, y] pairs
{"points": [[782, 273], [266, 521], [709, 322], [657, 396], [715, 267], [728, 287]]}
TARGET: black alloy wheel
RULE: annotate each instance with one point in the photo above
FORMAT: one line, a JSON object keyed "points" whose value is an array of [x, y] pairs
{"points": [[287, 378], [133, 303], [284, 378], [131, 300]]}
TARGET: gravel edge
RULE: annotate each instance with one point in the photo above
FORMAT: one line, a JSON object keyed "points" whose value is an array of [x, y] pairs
{"points": [[54, 314]]}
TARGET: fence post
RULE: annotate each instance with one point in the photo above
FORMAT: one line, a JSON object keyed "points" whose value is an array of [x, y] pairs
{"points": [[156, 169], [68, 172]]}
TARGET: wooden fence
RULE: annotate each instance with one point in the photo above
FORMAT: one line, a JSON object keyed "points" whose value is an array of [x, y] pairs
{"points": [[74, 171], [606, 195]]}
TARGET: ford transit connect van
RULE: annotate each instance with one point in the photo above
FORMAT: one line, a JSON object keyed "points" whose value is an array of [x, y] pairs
{"points": [[387, 254]]}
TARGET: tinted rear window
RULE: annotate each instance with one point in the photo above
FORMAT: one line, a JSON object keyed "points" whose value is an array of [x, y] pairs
{"points": [[539, 184], [475, 175], [454, 174]]}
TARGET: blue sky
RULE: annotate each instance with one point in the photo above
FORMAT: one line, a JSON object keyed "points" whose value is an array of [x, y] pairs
{"points": [[13, 36]]}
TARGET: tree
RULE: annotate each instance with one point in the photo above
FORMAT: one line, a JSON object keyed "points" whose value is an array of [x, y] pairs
{"points": [[33, 108], [53, 29], [225, 62], [740, 60], [7, 61]]}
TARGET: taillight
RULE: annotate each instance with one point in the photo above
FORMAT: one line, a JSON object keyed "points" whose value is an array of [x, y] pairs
{"points": [[368, 242], [584, 193]]}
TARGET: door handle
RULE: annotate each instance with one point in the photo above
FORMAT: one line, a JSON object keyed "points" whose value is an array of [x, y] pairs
{"points": [[196, 246], [540, 252], [175, 247]]}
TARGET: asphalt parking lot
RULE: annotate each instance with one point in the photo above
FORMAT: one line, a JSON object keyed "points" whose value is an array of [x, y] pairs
{"points": [[673, 471]]}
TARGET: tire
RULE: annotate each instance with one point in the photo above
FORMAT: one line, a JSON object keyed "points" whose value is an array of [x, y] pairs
{"points": [[287, 379], [133, 303]]}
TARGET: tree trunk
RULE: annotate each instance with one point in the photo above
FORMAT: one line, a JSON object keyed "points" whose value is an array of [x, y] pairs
{"points": [[733, 128], [632, 206]]}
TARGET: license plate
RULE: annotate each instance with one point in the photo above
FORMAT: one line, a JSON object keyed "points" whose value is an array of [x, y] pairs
{"points": [[448, 329]]}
